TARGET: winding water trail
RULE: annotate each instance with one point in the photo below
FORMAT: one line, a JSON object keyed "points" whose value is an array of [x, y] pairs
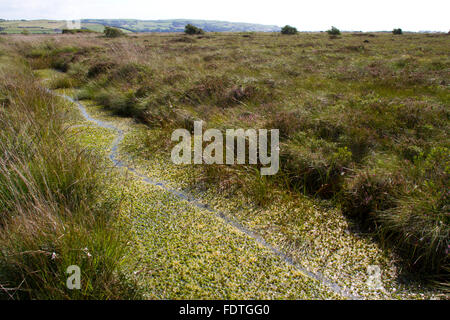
{"points": [[113, 156]]}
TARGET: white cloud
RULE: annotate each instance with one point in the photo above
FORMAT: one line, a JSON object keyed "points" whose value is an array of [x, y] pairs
{"points": [[305, 15]]}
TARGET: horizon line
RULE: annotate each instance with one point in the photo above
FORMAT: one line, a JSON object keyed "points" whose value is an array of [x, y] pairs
{"points": [[215, 20]]}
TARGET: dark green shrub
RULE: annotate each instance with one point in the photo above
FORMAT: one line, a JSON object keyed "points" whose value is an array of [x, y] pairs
{"points": [[334, 31], [75, 31], [397, 31], [289, 30], [113, 32], [68, 31], [190, 29]]}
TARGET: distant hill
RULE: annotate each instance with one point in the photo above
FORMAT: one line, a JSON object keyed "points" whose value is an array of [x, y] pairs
{"points": [[177, 25], [132, 25], [41, 26]]}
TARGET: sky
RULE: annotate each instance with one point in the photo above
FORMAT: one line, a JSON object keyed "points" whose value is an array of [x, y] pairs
{"points": [[311, 15]]}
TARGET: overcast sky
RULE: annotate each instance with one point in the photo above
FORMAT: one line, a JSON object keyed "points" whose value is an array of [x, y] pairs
{"points": [[412, 15]]}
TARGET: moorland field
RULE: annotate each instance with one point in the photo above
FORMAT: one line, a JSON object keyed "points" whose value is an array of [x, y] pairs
{"points": [[364, 155]]}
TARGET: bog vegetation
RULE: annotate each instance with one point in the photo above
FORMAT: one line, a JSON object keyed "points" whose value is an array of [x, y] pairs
{"points": [[364, 120]]}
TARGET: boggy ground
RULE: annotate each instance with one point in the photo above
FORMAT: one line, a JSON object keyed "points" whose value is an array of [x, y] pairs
{"points": [[363, 118], [182, 251]]}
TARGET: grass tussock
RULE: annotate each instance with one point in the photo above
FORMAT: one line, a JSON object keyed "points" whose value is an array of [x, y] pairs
{"points": [[53, 212]]}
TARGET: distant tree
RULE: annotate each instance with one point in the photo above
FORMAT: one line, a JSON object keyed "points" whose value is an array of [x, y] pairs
{"points": [[113, 32], [397, 31], [74, 31], [334, 31], [289, 30], [190, 29], [67, 31]]}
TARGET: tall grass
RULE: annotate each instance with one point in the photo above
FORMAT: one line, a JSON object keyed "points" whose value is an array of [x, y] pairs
{"points": [[53, 212]]}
